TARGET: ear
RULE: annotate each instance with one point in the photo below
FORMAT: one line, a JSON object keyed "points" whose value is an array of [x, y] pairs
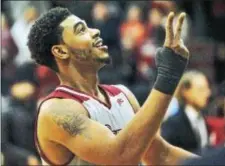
{"points": [[60, 51]]}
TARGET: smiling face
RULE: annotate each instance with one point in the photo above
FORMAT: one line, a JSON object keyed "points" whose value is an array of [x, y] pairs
{"points": [[81, 44]]}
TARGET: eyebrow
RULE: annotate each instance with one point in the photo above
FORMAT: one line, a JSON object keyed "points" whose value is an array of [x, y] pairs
{"points": [[77, 24]]}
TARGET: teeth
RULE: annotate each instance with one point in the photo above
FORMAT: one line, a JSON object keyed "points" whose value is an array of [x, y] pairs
{"points": [[99, 44]]}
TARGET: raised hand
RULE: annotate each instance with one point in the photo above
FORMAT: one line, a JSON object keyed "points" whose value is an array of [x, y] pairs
{"points": [[174, 41], [172, 58]]}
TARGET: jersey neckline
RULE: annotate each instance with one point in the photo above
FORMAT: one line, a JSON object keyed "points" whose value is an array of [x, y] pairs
{"points": [[104, 90]]}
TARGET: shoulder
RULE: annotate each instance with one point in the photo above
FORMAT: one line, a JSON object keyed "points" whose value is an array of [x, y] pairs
{"points": [[57, 112], [175, 120], [59, 104], [130, 96], [119, 88], [123, 88]]}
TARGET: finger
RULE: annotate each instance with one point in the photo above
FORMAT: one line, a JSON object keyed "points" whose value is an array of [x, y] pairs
{"points": [[179, 27], [181, 43], [182, 51], [169, 30]]}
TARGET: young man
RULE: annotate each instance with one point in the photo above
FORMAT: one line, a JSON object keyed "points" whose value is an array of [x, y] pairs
{"points": [[83, 122]]}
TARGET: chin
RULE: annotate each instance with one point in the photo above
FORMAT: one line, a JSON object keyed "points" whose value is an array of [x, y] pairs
{"points": [[201, 107], [104, 58]]}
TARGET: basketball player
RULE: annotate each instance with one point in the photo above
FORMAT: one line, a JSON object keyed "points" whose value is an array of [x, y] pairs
{"points": [[83, 122]]}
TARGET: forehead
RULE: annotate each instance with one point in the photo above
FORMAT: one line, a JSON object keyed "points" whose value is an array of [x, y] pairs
{"points": [[199, 81], [70, 21]]}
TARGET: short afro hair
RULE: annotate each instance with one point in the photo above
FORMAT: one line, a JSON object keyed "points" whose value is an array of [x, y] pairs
{"points": [[45, 33]]}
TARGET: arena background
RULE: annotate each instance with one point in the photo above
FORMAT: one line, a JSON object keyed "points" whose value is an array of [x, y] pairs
{"points": [[132, 30]]}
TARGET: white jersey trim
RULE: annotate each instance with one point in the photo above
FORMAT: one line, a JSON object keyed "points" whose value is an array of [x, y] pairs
{"points": [[72, 91]]}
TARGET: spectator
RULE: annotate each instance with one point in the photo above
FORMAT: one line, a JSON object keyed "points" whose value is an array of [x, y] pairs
{"points": [[187, 129], [20, 30], [155, 29], [132, 33], [8, 53], [17, 143], [9, 49], [132, 30], [155, 36]]}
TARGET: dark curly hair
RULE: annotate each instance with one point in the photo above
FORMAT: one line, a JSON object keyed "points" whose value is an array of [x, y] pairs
{"points": [[45, 33]]}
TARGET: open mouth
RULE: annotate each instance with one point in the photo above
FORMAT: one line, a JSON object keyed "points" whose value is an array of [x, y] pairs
{"points": [[99, 44]]}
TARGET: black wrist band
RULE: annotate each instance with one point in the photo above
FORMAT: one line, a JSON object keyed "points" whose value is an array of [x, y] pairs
{"points": [[170, 67]]}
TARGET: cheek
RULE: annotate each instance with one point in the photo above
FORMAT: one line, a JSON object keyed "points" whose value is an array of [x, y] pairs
{"points": [[194, 97], [79, 42], [82, 43], [202, 98]]}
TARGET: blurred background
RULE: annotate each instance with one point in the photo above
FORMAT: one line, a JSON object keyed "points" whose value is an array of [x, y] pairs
{"points": [[132, 30]]}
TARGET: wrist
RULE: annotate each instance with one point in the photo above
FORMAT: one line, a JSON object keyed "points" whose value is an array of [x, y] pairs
{"points": [[170, 67], [166, 85]]}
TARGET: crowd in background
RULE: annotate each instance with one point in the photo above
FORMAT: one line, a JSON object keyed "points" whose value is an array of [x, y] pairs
{"points": [[132, 30]]}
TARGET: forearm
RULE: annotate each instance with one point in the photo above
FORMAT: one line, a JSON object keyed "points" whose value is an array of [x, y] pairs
{"points": [[162, 153], [135, 137]]}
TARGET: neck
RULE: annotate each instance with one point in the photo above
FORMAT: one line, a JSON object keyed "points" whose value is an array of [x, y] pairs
{"points": [[84, 79], [193, 108]]}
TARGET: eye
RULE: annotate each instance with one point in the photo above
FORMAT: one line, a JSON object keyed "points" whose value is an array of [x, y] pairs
{"points": [[82, 29]]}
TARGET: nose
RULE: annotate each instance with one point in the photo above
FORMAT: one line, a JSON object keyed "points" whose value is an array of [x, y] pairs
{"points": [[95, 33]]}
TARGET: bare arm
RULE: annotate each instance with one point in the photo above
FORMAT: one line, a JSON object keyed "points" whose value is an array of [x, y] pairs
{"points": [[70, 126]]}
